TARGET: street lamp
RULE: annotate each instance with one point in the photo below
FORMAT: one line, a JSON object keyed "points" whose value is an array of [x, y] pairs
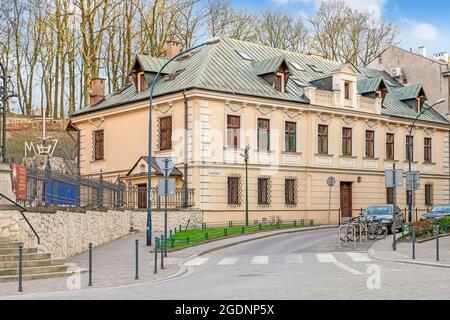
{"points": [[410, 154], [246, 157], [149, 204], [4, 96]]}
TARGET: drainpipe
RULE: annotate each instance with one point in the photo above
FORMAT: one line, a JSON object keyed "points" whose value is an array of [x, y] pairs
{"points": [[185, 174]]}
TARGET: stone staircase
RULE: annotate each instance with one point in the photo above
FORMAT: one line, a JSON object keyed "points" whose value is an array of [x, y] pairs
{"points": [[34, 265]]}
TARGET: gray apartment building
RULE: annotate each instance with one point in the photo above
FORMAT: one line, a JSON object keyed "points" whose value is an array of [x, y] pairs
{"points": [[410, 68]]}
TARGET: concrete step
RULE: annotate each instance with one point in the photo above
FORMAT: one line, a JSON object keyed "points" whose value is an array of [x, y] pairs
{"points": [[6, 251], [9, 244], [26, 257], [28, 277], [31, 263], [33, 270]]}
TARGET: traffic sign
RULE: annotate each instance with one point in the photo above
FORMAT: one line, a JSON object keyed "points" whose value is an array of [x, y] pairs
{"points": [[166, 165], [394, 178], [166, 187], [412, 180], [331, 181]]}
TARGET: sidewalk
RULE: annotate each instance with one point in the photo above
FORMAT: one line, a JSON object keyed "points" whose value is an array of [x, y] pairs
{"points": [[425, 252], [114, 263]]}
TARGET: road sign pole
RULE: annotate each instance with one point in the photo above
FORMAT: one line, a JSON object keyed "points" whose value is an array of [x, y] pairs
{"points": [[329, 205], [166, 191]]}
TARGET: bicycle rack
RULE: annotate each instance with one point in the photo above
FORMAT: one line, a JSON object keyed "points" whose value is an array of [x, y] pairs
{"points": [[346, 226]]}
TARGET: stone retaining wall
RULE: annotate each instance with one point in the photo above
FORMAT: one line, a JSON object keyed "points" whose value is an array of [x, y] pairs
{"points": [[65, 234]]}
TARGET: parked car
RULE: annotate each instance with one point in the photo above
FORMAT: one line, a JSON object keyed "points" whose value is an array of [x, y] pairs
{"points": [[437, 212], [384, 214]]}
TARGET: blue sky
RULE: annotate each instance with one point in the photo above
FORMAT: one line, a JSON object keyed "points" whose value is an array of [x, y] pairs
{"points": [[421, 22]]}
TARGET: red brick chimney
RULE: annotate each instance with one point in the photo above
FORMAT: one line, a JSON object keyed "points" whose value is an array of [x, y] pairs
{"points": [[97, 93], [173, 48]]}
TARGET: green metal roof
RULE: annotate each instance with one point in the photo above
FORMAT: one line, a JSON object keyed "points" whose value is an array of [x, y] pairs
{"points": [[266, 66], [408, 92], [220, 68], [369, 84]]}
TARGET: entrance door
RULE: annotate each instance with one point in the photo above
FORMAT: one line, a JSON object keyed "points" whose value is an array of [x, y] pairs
{"points": [[346, 199], [142, 196]]}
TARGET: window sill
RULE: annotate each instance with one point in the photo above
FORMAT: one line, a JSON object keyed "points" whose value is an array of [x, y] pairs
{"points": [[390, 160], [348, 157], [373, 159], [292, 153], [430, 163], [98, 161], [324, 155], [265, 151], [233, 149], [407, 161], [163, 151]]}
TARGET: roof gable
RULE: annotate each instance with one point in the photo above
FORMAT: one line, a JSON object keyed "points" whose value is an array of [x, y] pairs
{"points": [[409, 92], [370, 85], [270, 65]]}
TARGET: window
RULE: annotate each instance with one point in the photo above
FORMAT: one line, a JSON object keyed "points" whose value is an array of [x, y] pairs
{"points": [[290, 136], [428, 194], [420, 103], [390, 195], [323, 139], [281, 82], [263, 191], [165, 133], [142, 196], [99, 143], [346, 142], [263, 134], [314, 68], [290, 192], [233, 131], [427, 150], [141, 82], [347, 90], [297, 66], [390, 139], [370, 144], [244, 55], [409, 148], [234, 186]]}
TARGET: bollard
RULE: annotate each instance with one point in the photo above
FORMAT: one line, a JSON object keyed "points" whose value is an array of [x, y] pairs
{"points": [[414, 243], [260, 226], [206, 236], [156, 253], [20, 267], [437, 242], [170, 233], [137, 260], [172, 242], [403, 232], [162, 251], [295, 223], [180, 227], [394, 233], [243, 229], [90, 264], [225, 232]]}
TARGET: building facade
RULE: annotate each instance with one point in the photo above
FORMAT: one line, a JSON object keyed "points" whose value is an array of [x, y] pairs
{"points": [[305, 119], [409, 68]]}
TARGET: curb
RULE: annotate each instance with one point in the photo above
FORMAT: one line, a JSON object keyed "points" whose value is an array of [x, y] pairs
{"points": [[373, 255]]}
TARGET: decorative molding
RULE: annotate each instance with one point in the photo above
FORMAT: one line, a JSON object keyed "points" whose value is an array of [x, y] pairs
{"points": [[429, 132], [324, 118], [292, 113], [97, 122], [233, 107], [163, 108], [348, 121], [371, 124], [265, 110], [391, 127]]}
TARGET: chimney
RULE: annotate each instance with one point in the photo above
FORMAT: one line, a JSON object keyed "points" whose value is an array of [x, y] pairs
{"points": [[173, 48], [422, 51], [97, 93]]}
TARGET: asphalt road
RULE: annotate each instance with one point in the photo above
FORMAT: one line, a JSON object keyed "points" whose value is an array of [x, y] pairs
{"points": [[304, 265]]}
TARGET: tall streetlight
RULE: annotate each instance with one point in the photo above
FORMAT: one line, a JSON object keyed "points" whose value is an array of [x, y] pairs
{"points": [[410, 151], [4, 96], [149, 204], [246, 157]]}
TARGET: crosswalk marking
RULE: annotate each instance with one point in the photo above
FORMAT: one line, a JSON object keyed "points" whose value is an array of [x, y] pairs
{"points": [[346, 268], [326, 258], [196, 261], [358, 257], [260, 260], [228, 261], [294, 259]]}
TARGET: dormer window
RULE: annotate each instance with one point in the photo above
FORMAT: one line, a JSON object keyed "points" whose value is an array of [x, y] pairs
{"points": [[314, 68], [141, 82], [244, 55], [281, 82], [297, 66], [347, 90], [420, 103], [382, 93]]}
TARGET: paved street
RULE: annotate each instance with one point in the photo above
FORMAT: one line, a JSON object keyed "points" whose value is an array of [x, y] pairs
{"points": [[304, 265]]}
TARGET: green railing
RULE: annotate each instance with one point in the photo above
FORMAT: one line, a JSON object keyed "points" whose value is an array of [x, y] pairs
{"points": [[180, 237]]}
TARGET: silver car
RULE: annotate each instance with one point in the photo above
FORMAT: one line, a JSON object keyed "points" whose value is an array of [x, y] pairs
{"points": [[436, 213], [384, 214]]}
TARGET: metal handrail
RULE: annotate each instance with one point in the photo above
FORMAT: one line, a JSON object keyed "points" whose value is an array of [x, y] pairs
{"points": [[23, 209]]}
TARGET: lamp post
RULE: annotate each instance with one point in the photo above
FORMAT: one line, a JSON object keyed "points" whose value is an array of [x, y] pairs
{"points": [[246, 157], [410, 152], [149, 204], [3, 98]]}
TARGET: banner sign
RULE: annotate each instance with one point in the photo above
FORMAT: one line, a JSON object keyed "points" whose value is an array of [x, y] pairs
{"points": [[19, 181]]}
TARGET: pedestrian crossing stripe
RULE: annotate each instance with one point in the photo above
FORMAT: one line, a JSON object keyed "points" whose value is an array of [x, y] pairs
{"points": [[326, 258], [196, 261], [228, 261], [260, 260], [358, 257]]}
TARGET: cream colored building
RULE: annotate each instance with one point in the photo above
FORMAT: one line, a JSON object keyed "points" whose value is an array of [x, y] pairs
{"points": [[305, 119]]}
